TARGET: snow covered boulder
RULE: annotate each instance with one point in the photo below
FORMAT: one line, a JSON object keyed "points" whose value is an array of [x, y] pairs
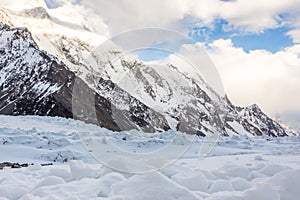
{"points": [[80, 171], [272, 169], [236, 171], [220, 185], [287, 184], [174, 169], [59, 172], [240, 184], [195, 183], [6, 191], [106, 182], [262, 191], [151, 186], [50, 180]]}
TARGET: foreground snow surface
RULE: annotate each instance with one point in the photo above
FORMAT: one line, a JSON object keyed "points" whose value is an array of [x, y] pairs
{"points": [[238, 167]]}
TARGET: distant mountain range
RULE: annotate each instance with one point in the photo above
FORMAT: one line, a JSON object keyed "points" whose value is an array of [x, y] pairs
{"points": [[290, 119]]}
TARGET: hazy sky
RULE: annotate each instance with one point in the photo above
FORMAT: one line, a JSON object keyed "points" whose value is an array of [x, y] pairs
{"points": [[255, 44]]}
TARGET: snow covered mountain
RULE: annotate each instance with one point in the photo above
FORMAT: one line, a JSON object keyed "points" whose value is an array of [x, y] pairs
{"points": [[35, 82], [290, 119]]}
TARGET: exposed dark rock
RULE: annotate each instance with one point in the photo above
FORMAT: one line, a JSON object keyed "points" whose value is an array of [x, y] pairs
{"points": [[35, 83], [13, 165]]}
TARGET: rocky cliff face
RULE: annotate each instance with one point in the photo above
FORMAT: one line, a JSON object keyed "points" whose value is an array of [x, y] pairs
{"points": [[128, 93], [33, 82]]}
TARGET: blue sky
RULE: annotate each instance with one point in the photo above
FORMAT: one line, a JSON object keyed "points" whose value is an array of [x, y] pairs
{"points": [[273, 40]]}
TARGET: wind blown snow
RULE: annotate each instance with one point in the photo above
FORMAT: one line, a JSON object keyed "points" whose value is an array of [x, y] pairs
{"points": [[238, 167]]}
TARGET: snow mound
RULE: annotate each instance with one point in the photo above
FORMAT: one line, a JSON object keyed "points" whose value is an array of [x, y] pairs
{"points": [[148, 188], [195, 183]]}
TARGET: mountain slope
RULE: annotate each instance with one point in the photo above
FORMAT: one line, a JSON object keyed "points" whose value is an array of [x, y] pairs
{"points": [[156, 97], [33, 82]]}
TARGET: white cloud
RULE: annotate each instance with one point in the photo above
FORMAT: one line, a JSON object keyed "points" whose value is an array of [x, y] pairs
{"points": [[250, 16], [123, 15], [255, 16], [294, 21], [182, 15], [271, 80], [295, 35]]}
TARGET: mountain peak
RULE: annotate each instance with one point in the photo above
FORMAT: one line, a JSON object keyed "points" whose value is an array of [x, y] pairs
{"points": [[254, 107]]}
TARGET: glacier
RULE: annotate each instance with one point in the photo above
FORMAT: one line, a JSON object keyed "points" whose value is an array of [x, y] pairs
{"points": [[238, 167]]}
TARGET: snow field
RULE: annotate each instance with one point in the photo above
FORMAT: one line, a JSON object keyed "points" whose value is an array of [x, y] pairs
{"points": [[238, 167]]}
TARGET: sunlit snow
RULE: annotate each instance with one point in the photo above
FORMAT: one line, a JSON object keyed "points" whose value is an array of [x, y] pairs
{"points": [[238, 167]]}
